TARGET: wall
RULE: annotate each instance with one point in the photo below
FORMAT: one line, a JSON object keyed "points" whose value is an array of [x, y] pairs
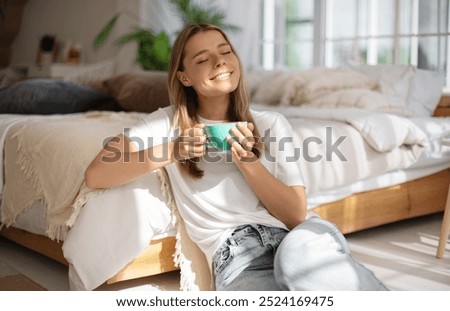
{"points": [[9, 28], [160, 16], [78, 21]]}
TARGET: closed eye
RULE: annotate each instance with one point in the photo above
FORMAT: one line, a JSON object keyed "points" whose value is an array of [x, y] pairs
{"points": [[202, 61]]}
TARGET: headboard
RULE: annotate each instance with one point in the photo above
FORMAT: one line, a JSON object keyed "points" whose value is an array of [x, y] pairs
{"points": [[443, 109]]}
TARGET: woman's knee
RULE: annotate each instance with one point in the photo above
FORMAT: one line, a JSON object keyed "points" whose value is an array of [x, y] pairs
{"points": [[303, 251]]}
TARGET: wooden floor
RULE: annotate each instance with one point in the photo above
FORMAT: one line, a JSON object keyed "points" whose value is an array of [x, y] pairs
{"points": [[402, 255]]}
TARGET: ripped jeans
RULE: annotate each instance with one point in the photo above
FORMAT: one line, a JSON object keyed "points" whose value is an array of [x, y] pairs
{"points": [[312, 256]]}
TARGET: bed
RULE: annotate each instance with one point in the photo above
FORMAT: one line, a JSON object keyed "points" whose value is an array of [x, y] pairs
{"points": [[376, 154]]}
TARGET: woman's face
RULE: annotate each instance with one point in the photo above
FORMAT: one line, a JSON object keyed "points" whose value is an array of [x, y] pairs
{"points": [[210, 66]]}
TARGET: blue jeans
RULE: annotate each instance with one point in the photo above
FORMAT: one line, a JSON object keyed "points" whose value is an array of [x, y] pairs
{"points": [[312, 256]]}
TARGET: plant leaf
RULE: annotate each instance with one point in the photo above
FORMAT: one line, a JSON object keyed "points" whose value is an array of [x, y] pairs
{"points": [[140, 35], [104, 34], [162, 47], [192, 13]]}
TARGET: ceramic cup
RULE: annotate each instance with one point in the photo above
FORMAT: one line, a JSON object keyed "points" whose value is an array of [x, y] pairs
{"points": [[217, 134]]}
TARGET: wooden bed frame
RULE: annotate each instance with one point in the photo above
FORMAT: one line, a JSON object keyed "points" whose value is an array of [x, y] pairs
{"points": [[357, 212]]}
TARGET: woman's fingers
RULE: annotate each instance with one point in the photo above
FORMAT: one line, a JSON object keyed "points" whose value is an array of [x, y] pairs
{"points": [[191, 143], [244, 135], [238, 151]]}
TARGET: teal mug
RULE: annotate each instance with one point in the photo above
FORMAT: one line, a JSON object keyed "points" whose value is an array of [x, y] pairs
{"points": [[216, 135]]}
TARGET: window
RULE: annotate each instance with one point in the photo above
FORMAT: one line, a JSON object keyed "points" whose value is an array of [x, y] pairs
{"points": [[300, 34], [288, 34]]}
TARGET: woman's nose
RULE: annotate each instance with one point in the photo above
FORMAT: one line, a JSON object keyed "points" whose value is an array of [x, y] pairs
{"points": [[220, 62]]}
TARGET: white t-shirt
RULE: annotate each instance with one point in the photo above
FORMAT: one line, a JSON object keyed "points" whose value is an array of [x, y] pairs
{"points": [[214, 205]]}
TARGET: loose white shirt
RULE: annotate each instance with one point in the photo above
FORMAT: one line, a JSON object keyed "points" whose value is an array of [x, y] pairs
{"points": [[214, 205]]}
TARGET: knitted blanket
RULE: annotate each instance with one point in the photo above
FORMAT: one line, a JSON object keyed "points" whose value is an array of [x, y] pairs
{"points": [[45, 160]]}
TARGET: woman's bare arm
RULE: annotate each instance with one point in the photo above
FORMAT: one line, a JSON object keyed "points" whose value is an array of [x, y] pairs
{"points": [[120, 161], [286, 203]]}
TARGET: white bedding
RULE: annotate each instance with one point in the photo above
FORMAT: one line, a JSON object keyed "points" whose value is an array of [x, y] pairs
{"points": [[131, 216], [117, 225]]}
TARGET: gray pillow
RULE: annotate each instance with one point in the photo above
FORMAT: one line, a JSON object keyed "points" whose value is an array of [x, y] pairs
{"points": [[47, 96]]}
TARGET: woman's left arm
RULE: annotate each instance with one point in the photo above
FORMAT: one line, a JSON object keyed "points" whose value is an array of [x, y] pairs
{"points": [[286, 203]]}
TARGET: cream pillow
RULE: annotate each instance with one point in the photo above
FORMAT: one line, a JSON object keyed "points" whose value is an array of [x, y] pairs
{"points": [[307, 85], [357, 98], [394, 80], [425, 92], [272, 87]]}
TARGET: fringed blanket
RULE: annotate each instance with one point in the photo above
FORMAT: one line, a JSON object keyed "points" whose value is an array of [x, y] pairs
{"points": [[45, 160]]}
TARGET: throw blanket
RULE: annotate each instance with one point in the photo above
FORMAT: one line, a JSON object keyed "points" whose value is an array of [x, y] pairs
{"points": [[45, 160], [6, 122]]}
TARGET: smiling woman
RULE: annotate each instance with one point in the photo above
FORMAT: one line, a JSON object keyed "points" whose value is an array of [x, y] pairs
{"points": [[247, 215]]}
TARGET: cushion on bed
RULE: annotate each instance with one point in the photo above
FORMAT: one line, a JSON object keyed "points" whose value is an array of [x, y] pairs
{"points": [[269, 88], [393, 80], [357, 98], [140, 92], [305, 86], [419, 90], [425, 92], [47, 96]]}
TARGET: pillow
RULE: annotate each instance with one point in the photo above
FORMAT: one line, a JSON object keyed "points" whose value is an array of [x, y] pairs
{"points": [[254, 78], [425, 92], [394, 80], [308, 85], [271, 87], [140, 92], [357, 98], [47, 96]]}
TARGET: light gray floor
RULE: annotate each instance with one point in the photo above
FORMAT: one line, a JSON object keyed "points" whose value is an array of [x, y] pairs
{"points": [[402, 255]]}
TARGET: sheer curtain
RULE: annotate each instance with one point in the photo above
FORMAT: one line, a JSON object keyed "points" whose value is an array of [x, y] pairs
{"points": [[159, 15], [247, 15]]}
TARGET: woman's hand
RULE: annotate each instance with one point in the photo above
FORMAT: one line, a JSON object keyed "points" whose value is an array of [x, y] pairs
{"points": [[190, 144], [242, 143], [286, 203]]}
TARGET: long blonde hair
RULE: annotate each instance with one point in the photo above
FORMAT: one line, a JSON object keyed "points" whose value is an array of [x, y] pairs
{"points": [[185, 101]]}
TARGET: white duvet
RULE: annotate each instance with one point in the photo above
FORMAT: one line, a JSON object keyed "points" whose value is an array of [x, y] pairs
{"points": [[342, 146]]}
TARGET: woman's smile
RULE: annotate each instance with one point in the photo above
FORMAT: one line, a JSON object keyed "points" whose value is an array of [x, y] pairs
{"points": [[222, 76]]}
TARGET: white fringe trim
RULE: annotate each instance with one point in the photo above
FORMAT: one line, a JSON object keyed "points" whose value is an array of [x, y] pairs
{"points": [[187, 277], [30, 172], [84, 195]]}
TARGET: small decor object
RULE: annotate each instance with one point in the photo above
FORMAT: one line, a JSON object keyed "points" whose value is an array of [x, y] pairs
{"points": [[71, 53], [47, 52], [74, 54]]}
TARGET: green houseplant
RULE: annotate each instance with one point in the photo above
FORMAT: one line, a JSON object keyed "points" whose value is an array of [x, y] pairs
{"points": [[154, 49]]}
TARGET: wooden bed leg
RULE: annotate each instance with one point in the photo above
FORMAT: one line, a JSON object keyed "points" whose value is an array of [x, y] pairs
{"points": [[445, 228]]}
